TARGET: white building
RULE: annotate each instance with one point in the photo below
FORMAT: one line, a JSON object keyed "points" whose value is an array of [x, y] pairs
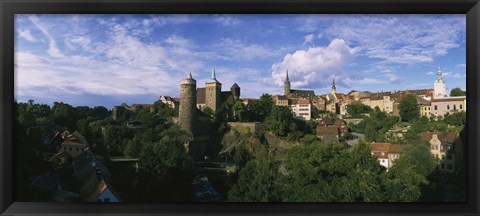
{"points": [[439, 90], [301, 108]]}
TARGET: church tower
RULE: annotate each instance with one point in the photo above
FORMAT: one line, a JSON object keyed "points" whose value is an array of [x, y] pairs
{"points": [[334, 89], [286, 87], [213, 92], [439, 86], [188, 100]]}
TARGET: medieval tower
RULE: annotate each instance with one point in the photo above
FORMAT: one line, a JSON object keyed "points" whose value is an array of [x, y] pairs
{"points": [[235, 89], [213, 92], [187, 110], [286, 87], [439, 86]]}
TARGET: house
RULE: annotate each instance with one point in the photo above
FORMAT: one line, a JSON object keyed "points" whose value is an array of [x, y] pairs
{"points": [[444, 105], [386, 153], [328, 130], [95, 188], [73, 145], [172, 103], [280, 100], [424, 105], [87, 162], [447, 148], [301, 108]]}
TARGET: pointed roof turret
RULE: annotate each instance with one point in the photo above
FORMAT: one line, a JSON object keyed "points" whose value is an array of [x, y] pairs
{"points": [[287, 79], [189, 79], [439, 75], [190, 75], [214, 77]]}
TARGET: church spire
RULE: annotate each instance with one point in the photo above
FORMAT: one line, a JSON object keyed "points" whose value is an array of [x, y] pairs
{"points": [[190, 75], [334, 89], [214, 75], [287, 79], [439, 74]]}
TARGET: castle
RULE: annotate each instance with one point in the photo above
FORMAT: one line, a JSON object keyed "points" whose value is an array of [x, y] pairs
{"points": [[195, 122]]}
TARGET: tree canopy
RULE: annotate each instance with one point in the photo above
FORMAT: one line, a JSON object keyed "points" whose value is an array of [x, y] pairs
{"points": [[408, 108]]}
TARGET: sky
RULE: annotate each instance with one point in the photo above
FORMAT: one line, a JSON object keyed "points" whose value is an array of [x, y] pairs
{"points": [[106, 60]]}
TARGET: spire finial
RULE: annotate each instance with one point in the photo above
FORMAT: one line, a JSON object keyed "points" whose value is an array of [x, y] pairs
{"points": [[287, 79], [190, 75], [214, 75]]}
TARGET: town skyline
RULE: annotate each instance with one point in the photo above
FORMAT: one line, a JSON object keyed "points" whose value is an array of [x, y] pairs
{"points": [[138, 58]]}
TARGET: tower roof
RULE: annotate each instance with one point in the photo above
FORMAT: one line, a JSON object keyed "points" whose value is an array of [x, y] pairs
{"points": [[287, 79], [439, 76], [189, 80], [214, 77], [235, 85]]}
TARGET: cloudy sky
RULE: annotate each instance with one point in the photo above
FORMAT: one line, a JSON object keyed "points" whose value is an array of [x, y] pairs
{"points": [[109, 59]]}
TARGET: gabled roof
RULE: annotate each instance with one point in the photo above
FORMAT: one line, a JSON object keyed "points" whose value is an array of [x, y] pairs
{"points": [[84, 164], [302, 93], [444, 137], [235, 86], [300, 101]]}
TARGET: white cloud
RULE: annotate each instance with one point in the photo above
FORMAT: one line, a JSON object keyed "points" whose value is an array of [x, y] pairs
{"points": [[52, 49], [405, 39], [309, 38], [459, 75], [314, 64], [430, 73], [226, 20], [461, 65], [27, 35]]}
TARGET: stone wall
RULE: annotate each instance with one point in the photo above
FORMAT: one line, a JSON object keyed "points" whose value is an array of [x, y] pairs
{"points": [[244, 127]]}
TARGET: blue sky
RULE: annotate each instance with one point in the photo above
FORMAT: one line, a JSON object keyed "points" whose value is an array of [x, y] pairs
{"points": [[110, 59]]}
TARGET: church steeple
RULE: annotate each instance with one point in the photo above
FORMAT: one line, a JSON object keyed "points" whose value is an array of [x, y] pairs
{"points": [[286, 86], [439, 75], [214, 75], [334, 89]]}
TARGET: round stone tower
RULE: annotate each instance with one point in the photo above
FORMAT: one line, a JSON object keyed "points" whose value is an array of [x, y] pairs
{"points": [[188, 100], [235, 89]]}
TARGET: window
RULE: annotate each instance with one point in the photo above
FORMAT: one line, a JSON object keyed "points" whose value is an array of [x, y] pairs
{"points": [[443, 157], [443, 166], [461, 106], [448, 106], [383, 153], [454, 107], [435, 107], [436, 147], [383, 161], [78, 149], [441, 147]]}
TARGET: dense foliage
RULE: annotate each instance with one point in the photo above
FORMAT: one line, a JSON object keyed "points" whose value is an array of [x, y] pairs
{"points": [[408, 108]]}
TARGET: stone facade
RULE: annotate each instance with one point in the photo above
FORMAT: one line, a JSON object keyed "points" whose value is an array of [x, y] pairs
{"points": [[187, 110]]}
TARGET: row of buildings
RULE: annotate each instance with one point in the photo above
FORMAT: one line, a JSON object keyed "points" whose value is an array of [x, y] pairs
{"points": [[446, 147], [432, 102]]}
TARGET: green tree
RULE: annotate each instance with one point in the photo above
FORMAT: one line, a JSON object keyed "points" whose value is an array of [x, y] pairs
{"points": [[357, 108], [456, 119], [408, 108], [256, 182], [262, 107], [239, 111], [457, 92]]}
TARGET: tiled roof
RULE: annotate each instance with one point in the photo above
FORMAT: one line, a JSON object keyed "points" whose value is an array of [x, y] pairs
{"points": [[444, 137], [300, 101], [448, 99], [302, 93], [386, 148]]}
